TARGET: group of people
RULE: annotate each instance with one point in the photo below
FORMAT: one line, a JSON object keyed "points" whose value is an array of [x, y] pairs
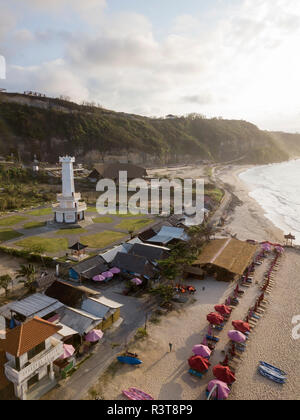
{"points": [[179, 288]]}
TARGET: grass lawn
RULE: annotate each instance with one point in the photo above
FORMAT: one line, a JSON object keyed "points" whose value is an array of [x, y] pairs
{"points": [[101, 240], [6, 235], [103, 219], [34, 225], [91, 209], [39, 244], [41, 212], [13, 220], [74, 231], [133, 224]]}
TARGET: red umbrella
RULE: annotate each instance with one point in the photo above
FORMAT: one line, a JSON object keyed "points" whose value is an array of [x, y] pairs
{"points": [[223, 309], [241, 326], [224, 374], [199, 364], [215, 319]]}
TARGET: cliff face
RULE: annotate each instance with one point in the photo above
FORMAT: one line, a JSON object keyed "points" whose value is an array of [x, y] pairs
{"points": [[51, 127]]}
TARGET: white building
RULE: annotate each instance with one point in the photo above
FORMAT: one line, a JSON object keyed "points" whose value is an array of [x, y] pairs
{"points": [[70, 208], [30, 351]]}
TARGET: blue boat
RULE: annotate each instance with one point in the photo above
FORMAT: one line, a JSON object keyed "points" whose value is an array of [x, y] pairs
{"points": [[273, 368], [268, 375], [129, 360]]}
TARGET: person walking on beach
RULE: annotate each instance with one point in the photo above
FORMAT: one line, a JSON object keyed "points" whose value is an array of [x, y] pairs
{"points": [[170, 345]]}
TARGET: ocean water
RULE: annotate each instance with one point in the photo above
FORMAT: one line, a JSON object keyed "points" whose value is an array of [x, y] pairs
{"points": [[276, 188]]}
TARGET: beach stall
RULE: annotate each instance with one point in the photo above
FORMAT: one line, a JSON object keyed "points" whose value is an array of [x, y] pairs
{"points": [[226, 259]]}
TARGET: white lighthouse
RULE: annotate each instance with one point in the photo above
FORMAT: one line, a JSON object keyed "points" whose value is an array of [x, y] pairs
{"points": [[69, 209]]}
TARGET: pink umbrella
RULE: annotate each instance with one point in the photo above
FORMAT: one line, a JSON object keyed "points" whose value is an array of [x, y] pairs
{"points": [[94, 336], [107, 274], [137, 281], [201, 350], [223, 389], [279, 249], [236, 336], [99, 278], [115, 270], [266, 246], [68, 351]]}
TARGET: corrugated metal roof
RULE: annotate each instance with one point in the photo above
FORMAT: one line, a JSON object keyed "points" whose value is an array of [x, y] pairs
{"points": [[174, 232], [110, 255], [37, 304], [160, 239], [65, 330], [79, 320], [95, 308]]}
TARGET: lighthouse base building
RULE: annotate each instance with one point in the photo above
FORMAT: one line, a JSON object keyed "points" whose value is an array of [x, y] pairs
{"points": [[70, 209]]}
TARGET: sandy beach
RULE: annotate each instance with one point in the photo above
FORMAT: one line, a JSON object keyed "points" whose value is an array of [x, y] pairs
{"points": [[164, 374]]}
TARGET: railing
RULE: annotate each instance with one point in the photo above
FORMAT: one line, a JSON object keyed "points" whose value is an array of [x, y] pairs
{"points": [[42, 359]]}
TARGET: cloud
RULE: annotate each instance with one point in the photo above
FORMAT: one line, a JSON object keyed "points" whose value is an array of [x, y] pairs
{"points": [[88, 10], [239, 61], [52, 78]]}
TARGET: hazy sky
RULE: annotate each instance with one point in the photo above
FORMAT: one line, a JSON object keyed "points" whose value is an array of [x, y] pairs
{"points": [[233, 58]]}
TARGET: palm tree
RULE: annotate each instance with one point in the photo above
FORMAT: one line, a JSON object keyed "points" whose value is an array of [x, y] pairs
{"points": [[27, 272], [5, 281]]}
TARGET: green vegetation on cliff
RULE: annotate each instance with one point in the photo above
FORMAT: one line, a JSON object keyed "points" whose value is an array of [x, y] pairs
{"points": [[49, 127]]}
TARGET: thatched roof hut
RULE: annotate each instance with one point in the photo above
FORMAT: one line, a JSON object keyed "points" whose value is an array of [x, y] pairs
{"points": [[230, 254]]}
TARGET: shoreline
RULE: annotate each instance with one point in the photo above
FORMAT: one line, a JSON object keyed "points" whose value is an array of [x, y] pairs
{"points": [[249, 217]]}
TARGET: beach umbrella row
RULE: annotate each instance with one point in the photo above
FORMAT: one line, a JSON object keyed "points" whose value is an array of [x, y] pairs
{"points": [[106, 274]]}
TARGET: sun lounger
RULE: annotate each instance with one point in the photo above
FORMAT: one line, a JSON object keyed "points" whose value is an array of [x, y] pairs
{"points": [[210, 337], [195, 373]]}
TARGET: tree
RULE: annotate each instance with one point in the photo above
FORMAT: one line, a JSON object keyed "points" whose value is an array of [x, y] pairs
{"points": [[164, 291], [5, 281], [27, 273]]}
